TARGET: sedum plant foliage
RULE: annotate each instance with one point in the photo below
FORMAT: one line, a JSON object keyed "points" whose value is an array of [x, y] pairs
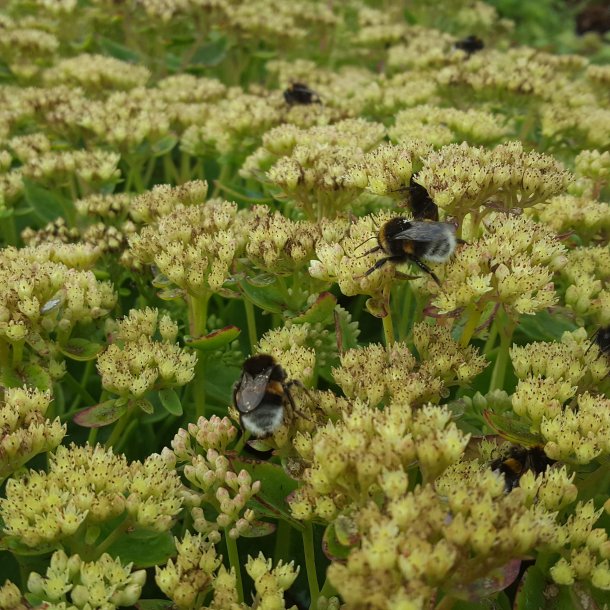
{"points": [[165, 213]]}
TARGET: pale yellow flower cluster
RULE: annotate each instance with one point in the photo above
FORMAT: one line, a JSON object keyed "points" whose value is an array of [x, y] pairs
{"points": [[440, 126], [73, 583], [193, 247], [40, 297], [447, 536], [26, 430], [136, 363], [163, 199], [460, 178], [366, 451], [97, 73], [512, 264], [213, 481], [90, 485]]}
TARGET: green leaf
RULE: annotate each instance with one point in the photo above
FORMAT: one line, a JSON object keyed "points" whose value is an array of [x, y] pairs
{"points": [[219, 381], [171, 401], [530, 594], [512, 429], [29, 374], [163, 146], [268, 297], [276, 487], [339, 538], [144, 548], [211, 53], [320, 312], [544, 326], [81, 350], [214, 340], [103, 414], [115, 49], [495, 581], [46, 204]]}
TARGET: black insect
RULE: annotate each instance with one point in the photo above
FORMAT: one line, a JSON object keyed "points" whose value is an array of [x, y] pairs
{"points": [[602, 339], [471, 44], [301, 94], [420, 203], [514, 464], [261, 394], [403, 240]]}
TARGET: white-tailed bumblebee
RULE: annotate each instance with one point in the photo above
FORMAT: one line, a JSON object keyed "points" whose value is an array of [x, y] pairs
{"points": [[517, 461], [471, 44], [260, 395], [405, 240], [301, 94]]}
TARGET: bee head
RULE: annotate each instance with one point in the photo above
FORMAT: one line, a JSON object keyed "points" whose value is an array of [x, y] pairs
{"points": [[256, 365]]}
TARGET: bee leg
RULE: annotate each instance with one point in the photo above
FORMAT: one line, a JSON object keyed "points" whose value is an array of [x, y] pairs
{"points": [[404, 276], [425, 268], [290, 398], [371, 251], [380, 263]]}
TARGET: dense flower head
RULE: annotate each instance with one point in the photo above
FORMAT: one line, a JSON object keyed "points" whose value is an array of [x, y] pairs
{"points": [[460, 178], [89, 485], [26, 431], [215, 485], [270, 582], [11, 598], [348, 461], [425, 48], [96, 73], [163, 199], [193, 247], [41, 296], [439, 126], [110, 207], [511, 263], [71, 582], [136, 362], [444, 536]]}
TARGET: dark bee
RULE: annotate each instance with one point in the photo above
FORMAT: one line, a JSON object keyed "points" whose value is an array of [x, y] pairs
{"points": [[471, 44], [420, 203], [260, 395], [301, 94], [514, 464], [602, 340], [405, 240]]}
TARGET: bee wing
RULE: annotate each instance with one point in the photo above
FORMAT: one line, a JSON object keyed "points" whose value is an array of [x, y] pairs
{"points": [[423, 231], [250, 390]]}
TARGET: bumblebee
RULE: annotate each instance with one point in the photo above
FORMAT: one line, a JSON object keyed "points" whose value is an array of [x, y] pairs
{"points": [[471, 44], [261, 394], [301, 94], [514, 464], [420, 203], [403, 240], [602, 340]]}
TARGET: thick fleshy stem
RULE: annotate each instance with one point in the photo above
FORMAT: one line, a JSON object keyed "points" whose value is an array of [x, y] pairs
{"points": [[251, 321], [310, 565], [388, 329], [505, 328], [446, 603], [473, 317], [235, 563], [198, 308]]}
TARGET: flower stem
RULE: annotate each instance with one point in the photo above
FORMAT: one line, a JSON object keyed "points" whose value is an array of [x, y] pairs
{"points": [[251, 321], [283, 535], [111, 538], [446, 603], [474, 315], [310, 564], [119, 427], [235, 563], [503, 357], [198, 308], [388, 329]]}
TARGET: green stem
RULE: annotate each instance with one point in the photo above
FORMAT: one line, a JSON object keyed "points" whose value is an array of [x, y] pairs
{"points": [[92, 438], [119, 427], [17, 352], [446, 603], [503, 357], [235, 563], [474, 315], [83, 382], [170, 173], [78, 389], [251, 321], [121, 442], [283, 534], [112, 538], [491, 339], [185, 167], [388, 329], [310, 564], [198, 308], [226, 189], [225, 172]]}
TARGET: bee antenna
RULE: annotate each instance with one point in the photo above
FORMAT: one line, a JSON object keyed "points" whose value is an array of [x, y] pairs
{"points": [[364, 242]]}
